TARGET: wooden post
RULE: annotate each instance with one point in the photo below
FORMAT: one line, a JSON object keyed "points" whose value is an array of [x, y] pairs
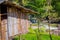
{"points": [[0, 29], [7, 24], [19, 25]]}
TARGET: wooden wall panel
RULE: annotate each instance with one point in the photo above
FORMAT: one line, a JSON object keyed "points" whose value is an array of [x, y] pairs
{"points": [[27, 22], [24, 23], [17, 22], [10, 25], [4, 29], [13, 22]]}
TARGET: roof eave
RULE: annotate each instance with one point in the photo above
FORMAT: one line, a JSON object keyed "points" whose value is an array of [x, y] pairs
{"points": [[18, 6]]}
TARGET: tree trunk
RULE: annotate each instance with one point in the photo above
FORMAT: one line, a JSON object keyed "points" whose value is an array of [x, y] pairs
{"points": [[48, 11], [38, 34], [49, 30], [38, 26]]}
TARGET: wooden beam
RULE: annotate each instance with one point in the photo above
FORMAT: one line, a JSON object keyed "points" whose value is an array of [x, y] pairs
{"points": [[3, 14]]}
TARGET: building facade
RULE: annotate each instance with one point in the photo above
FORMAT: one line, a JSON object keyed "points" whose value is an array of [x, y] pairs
{"points": [[13, 20]]}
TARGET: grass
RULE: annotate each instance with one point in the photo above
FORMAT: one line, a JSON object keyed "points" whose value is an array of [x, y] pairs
{"points": [[34, 24], [30, 36], [54, 25], [35, 35]]}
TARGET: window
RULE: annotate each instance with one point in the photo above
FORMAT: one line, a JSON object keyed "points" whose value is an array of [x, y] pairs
{"points": [[3, 8]]}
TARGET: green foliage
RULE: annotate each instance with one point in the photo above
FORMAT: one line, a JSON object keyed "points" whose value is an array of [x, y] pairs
{"points": [[31, 30], [42, 29], [56, 5], [42, 6], [36, 5], [16, 38], [54, 25]]}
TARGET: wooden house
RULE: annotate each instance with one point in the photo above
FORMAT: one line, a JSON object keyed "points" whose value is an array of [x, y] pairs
{"points": [[13, 19]]}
